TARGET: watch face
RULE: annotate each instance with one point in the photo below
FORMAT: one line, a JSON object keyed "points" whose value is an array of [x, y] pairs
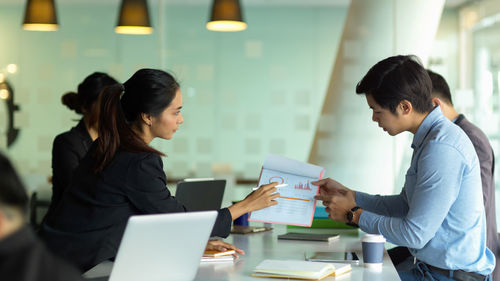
{"points": [[349, 216]]}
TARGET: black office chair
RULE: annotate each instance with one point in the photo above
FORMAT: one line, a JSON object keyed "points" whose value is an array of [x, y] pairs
{"points": [[37, 207]]}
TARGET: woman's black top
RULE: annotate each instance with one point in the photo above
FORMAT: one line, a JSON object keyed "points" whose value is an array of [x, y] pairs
{"points": [[87, 225], [68, 150]]}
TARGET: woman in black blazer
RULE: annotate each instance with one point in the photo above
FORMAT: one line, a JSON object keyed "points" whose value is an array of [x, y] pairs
{"points": [[123, 176], [70, 147]]}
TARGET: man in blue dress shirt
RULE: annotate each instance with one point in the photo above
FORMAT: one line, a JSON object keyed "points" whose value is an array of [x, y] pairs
{"points": [[439, 214]]}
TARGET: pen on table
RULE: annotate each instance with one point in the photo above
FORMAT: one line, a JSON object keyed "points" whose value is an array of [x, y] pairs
{"points": [[258, 229], [279, 185]]}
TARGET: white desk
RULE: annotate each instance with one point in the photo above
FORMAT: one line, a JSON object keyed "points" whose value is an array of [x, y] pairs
{"points": [[265, 245]]}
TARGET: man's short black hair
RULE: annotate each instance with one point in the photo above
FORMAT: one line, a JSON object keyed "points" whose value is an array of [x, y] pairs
{"points": [[395, 79], [440, 88], [12, 192]]}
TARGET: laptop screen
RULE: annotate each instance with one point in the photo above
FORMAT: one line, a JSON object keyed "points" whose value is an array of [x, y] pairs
{"points": [[163, 247], [201, 195]]}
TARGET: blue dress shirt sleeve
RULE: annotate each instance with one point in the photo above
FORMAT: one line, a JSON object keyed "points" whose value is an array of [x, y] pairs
{"points": [[391, 206], [434, 188]]}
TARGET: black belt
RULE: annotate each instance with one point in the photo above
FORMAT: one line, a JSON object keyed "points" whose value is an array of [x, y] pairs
{"points": [[458, 275]]}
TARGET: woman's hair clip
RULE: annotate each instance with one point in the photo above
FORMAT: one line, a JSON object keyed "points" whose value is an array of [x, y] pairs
{"points": [[123, 91]]}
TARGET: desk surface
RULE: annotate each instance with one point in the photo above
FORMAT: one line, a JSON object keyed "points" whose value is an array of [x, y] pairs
{"points": [[265, 245]]}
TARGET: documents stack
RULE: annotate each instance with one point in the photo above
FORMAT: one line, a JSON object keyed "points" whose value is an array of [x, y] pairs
{"points": [[216, 256]]}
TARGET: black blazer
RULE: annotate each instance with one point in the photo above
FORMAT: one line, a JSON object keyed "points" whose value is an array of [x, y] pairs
{"points": [[24, 258], [87, 225], [68, 150]]}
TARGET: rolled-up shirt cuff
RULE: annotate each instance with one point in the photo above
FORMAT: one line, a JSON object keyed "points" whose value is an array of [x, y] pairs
{"points": [[361, 198]]}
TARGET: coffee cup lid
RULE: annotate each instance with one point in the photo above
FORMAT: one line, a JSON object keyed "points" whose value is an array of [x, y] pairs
{"points": [[373, 238]]}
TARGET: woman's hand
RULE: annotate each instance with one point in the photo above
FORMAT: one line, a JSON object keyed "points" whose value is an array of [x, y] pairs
{"points": [[218, 245], [261, 198]]}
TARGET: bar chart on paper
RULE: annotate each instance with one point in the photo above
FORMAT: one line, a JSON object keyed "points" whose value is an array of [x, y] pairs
{"points": [[296, 202]]}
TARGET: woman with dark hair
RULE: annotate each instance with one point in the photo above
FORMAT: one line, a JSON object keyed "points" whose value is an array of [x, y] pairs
{"points": [[70, 147], [123, 176]]}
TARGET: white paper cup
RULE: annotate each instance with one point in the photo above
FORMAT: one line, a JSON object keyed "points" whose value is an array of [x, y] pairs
{"points": [[373, 250]]}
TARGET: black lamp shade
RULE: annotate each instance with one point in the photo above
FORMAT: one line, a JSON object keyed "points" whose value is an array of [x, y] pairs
{"points": [[226, 16], [134, 18], [40, 15]]}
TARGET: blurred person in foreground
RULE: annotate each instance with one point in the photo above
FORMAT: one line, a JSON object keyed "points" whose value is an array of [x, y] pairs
{"points": [[22, 256]]}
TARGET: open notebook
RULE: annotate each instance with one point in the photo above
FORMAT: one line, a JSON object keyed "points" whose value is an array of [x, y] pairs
{"points": [[292, 269]]}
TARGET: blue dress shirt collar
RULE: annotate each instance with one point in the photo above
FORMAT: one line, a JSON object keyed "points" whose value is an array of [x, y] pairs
{"points": [[429, 121]]}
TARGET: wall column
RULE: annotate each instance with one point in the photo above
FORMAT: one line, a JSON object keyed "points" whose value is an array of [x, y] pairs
{"points": [[347, 143]]}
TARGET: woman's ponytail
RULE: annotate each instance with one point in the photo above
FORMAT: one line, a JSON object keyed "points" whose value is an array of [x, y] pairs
{"points": [[111, 122]]}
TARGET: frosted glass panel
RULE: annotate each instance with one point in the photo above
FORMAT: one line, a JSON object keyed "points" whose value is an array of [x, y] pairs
{"points": [[245, 94]]}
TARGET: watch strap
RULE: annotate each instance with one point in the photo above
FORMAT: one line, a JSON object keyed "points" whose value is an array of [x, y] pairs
{"points": [[351, 216]]}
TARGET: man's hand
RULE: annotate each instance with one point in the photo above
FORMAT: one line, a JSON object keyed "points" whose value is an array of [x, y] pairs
{"points": [[333, 187], [337, 198]]}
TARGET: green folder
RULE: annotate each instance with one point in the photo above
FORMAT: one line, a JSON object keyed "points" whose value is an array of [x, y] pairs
{"points": [[324, 223]]}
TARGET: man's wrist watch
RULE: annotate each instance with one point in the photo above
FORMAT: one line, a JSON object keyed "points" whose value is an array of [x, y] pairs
{"points": [[350, 216]]}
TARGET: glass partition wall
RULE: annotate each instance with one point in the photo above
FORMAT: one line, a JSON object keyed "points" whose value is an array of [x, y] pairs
{"points": [[486, 94], [478, 93]]}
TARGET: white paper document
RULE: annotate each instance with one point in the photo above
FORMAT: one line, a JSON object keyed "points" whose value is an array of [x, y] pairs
{"points": [[296, 203]]}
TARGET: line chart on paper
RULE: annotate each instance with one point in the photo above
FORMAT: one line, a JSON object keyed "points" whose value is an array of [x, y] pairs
{"points": [[279, 180]]}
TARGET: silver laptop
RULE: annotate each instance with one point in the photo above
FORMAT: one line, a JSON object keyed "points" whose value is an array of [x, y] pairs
{"points": [[163, 247], [200, 195]]}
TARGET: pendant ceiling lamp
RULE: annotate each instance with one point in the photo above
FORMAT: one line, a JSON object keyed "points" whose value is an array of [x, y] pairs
{"points": [[40, 15], [134, 18], [226, 16]]}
